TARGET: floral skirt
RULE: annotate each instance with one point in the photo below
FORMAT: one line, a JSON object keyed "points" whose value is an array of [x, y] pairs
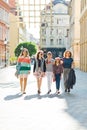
{"points": [[38, 74]]}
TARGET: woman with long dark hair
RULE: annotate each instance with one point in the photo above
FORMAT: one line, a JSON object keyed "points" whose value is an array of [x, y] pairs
{"points": [[39, 69]]}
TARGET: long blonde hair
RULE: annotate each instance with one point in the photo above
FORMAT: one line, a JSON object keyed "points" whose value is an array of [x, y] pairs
{"points": [[27, 52]]}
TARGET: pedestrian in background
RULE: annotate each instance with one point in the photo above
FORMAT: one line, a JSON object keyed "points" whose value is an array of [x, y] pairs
{"points": [[49, 70], [57, 70], [24, 65], [39, 69], [67, 65]]}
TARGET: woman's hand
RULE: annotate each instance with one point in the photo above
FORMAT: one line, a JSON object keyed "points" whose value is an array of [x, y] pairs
{"points": [[43, 74], [29, 72]]}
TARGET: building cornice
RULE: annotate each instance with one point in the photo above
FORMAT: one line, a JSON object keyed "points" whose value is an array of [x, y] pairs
{"points": [[4, 5]]}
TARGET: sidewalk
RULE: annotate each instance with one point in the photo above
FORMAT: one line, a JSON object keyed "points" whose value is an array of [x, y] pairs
{"points": [[44, 112]]}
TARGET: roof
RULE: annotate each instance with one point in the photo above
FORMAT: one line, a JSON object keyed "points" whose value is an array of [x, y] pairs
{"points": [[59, 1]]}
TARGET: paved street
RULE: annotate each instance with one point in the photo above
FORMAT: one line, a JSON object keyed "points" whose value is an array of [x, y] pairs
{"points": [[44, 112]]}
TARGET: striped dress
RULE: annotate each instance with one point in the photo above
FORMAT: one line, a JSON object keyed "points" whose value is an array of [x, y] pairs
{"points": [[25, 65]]}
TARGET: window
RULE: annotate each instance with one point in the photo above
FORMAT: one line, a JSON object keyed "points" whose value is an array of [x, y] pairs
{"points": [[60, 41], [43, 31], [44, 41], [57, 21], [6, 1], [57, 41], [51, 31], [1, 32], [51, 41], [57, 31]]}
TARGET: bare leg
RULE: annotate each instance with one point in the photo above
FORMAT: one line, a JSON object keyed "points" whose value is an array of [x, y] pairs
{"points": [[39, 81], [25, 83], [21, 84]]}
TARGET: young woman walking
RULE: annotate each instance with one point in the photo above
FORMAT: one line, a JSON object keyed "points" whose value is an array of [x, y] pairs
{"points": [[24, 67], [57, 70], [67, 64], [39, 69], [49, 70]]}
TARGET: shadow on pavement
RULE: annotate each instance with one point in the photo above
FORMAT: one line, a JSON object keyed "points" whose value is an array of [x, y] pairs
{"points": [[11, 97], [77, 100], [42, 96], [77, 108]]}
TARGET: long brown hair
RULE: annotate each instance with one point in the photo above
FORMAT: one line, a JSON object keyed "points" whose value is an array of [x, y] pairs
{"points": [[59, 60], [27, 52], [39, 53], [67, 52]]}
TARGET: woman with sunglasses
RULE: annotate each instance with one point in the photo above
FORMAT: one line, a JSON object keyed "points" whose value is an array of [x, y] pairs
{"points": [[39, 69]]}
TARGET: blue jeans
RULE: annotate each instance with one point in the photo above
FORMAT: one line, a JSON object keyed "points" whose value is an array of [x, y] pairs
{"points": [[57, 77]]}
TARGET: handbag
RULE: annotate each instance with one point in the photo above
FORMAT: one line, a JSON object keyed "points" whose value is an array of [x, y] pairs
{"points": [[16, 73], [18, 66]]}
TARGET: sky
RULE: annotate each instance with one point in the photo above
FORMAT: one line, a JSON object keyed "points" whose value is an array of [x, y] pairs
{"points": [[35, 30]]}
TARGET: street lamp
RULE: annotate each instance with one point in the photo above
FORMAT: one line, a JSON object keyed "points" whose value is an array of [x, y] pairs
{"points": [[5, 43]]}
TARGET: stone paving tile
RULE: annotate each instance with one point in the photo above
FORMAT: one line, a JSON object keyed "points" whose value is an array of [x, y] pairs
{"points": [[45, 112]]}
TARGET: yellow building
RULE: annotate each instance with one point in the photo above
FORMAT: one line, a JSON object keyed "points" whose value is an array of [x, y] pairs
{"points": [[83, 36], [74, 32], [17, 33], [13, 34]]}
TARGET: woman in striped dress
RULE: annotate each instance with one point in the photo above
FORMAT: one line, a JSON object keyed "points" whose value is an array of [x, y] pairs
{"points": [[24, 64]]}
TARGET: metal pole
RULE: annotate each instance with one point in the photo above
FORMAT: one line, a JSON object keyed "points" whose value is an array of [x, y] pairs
{"points": [[5, 42], [5, 55]]}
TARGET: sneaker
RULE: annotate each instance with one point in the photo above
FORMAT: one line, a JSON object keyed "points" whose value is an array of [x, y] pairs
{"points": [[57, 92], [49, 91]]}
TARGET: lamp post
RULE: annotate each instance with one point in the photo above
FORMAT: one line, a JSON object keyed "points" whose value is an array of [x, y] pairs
{"points": [[5, 43]]}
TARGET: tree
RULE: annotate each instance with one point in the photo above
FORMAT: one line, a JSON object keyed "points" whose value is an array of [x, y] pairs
{"points": [[29, 45]]}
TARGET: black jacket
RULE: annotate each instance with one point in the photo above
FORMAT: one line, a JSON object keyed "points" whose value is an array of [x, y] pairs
{"points": [[71, 79]]}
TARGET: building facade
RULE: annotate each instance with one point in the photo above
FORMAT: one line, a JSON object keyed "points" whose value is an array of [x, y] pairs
{"points": [[54, 28], [17, 32], [83, 36], [74, 32], [4, 32]]}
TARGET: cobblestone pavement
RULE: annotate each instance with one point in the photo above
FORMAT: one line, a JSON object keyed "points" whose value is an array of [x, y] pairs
{"points": [[67, 111]]}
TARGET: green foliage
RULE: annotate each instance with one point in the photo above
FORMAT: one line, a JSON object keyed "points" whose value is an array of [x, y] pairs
{"points": [[29, 45], [13, 60]]}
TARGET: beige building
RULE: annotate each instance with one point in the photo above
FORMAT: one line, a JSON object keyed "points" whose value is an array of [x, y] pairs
{"points": [[17, 33], [83, 37], [74, 32], [54, 27], [13, 34]]}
